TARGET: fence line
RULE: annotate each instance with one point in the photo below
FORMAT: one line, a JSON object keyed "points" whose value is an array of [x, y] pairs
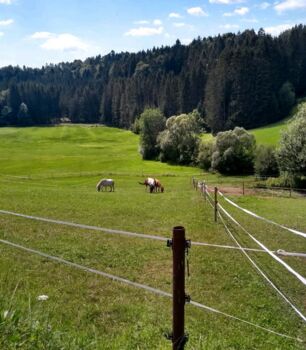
{"points": [[262, 218], [261, 272], [289, 268], [144, 287], [278, 252], [136, 235], [205, 188], [121, 232]]}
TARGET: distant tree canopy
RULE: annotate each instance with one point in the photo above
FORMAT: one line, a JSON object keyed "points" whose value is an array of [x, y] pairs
{"points": [[247, 79]]}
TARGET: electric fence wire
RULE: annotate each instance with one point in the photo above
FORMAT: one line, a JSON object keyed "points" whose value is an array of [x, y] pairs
{"points": [[144, 287], [275, 257], [119, 232], [302, 234], [258, 268]]}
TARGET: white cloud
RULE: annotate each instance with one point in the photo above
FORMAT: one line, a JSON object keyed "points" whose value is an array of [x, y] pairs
{"points": [[241, 11], [6, 2], [145, 31], [196, 11], [264, 5], [41, 35], [290, 5], [60, 42], [276, 30], [1, 34], [141, 22], [6, 22], [230, 26], [174, 15], [179, 24], [226, 2], [157, 22]]}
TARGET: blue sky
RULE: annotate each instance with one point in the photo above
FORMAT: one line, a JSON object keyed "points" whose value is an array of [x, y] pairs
{"points": [[36, 32]]}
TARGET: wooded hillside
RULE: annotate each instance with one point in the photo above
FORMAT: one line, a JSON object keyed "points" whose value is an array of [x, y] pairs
{"points": [[247, 79]]}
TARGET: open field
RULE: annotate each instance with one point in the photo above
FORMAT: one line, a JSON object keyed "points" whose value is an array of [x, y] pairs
{"points": [[268, 135], [52, 173]]}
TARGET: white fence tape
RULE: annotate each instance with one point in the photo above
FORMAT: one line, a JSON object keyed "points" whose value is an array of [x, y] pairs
{"points": [[119, 232], [275, 257], [302, 234], [144, 287], [260, 271]]}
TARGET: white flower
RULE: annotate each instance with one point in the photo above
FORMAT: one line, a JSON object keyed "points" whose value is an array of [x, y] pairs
{"points": [[42, 297]]}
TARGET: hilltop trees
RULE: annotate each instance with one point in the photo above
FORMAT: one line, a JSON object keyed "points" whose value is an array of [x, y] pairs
{"points": [[247, 79]]}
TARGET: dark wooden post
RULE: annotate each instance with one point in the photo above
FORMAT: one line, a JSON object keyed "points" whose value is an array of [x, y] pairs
{"points": [[179, 296], [243, 188], [204, 190], [216, 204]]}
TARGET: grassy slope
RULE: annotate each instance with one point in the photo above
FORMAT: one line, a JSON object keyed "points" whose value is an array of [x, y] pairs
{"points": [[268, 135], [52, 172]]}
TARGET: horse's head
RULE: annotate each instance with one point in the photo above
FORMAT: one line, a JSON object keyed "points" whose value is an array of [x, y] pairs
{"points": [[162, 189]]}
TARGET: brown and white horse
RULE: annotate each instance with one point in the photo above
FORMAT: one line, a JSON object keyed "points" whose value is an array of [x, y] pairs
{"points": [[154, 184]]}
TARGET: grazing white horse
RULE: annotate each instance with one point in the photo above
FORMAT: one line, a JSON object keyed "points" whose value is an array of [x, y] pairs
{"points": [[106, 183]]}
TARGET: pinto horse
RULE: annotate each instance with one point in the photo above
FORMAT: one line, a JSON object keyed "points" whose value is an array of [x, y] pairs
{"points": [[106, 183], [154, 184]]}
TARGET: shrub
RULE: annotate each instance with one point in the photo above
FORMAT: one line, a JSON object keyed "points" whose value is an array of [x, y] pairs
{"points": [[179, 143], [233, 152], [291, 155], [265, 162], [205, 155]]}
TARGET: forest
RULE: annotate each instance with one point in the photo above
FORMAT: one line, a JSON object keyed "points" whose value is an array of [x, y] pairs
{"points": [[247, 79]]}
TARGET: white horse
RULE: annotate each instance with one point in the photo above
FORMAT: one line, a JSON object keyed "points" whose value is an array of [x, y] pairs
{"points": [[106, 183]]}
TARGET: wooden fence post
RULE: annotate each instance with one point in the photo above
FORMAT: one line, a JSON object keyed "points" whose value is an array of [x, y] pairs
{"points": [[243, 188], [216, 204], [204, 190], [179, 246]]}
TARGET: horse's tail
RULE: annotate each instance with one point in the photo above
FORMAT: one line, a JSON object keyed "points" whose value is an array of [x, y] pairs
{"points": [[141, 183]]}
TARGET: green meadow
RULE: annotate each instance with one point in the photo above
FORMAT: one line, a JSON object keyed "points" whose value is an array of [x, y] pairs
{"points": [[52, 172], [269, 135]]}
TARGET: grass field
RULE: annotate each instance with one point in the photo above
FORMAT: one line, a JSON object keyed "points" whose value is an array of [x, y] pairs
{"points": [[52, 172], [268, 135]]}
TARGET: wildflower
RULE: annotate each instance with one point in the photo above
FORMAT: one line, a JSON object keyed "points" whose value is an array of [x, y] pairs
{"points": [[42, 297]]}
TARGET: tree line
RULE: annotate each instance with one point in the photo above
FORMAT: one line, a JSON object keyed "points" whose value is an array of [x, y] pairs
{"points": [[247, 79], [178, 140]]}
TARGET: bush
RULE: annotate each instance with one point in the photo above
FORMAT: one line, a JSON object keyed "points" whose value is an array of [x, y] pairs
{"points": [[205, 155], [265, 162], [179, 143], [234, 152], [291, 155]]}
